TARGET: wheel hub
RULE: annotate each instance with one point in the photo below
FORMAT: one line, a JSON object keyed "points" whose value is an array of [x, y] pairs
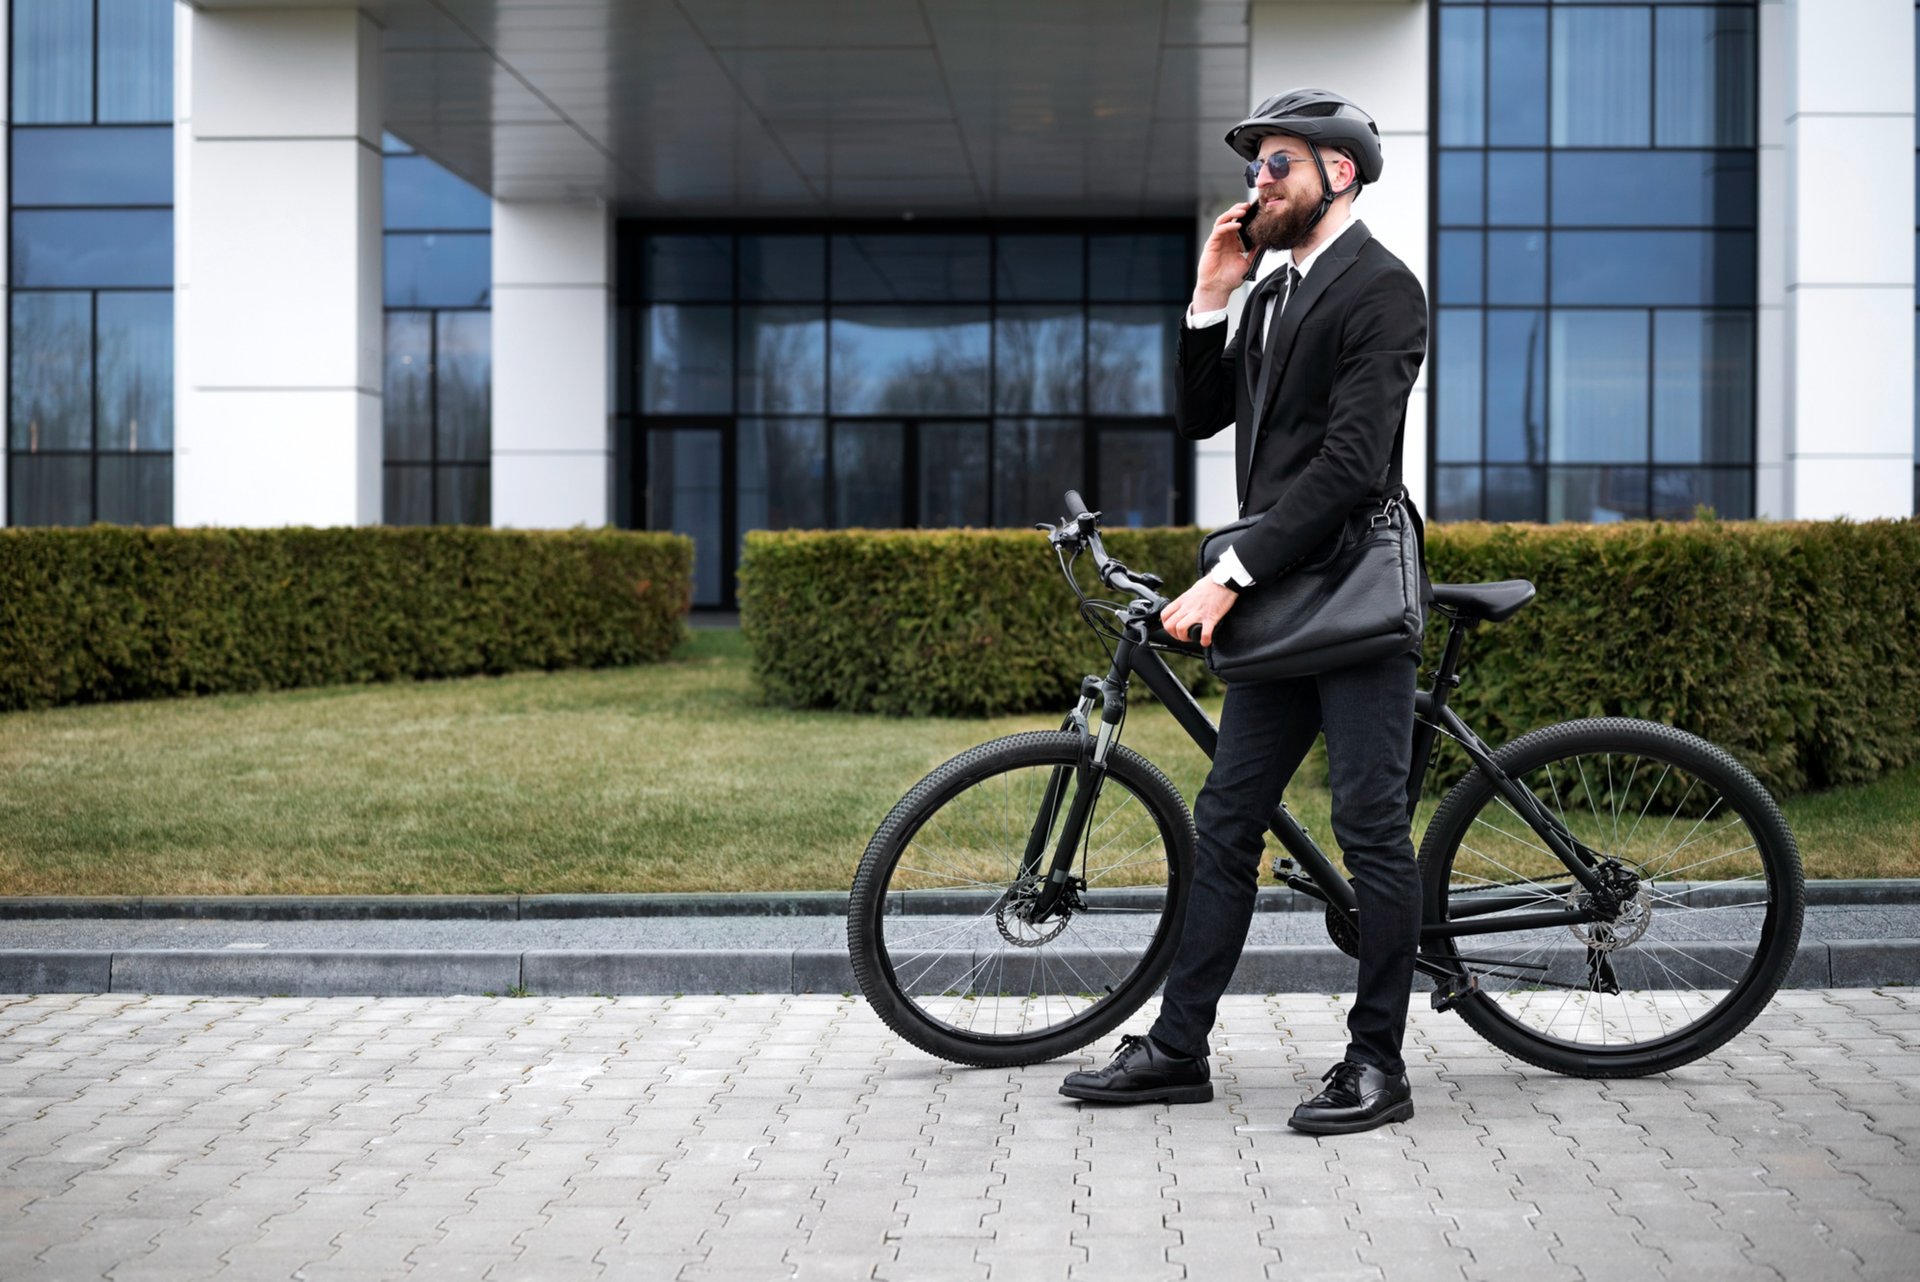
{"points": [[1014, 915], [1635, 915]]}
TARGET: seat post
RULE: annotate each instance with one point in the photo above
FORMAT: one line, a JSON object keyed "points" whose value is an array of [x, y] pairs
{"points": [[1445, 680]]}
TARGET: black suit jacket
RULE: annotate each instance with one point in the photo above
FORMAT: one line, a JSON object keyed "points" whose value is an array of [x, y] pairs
{"points": [[1325, 423]]}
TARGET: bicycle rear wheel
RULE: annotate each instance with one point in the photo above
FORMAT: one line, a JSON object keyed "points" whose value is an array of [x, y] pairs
{"points": [[1700, 946], [935, 924]]}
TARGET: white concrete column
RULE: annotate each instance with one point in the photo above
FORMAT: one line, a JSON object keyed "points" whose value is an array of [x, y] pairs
{"points": [[1770, 373], [6, 246], [552, 363], [278, 310], [1847, 429], [1375, 53]]}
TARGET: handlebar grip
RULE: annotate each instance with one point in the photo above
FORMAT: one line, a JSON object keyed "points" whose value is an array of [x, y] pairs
{"points": [[1076, 505]]}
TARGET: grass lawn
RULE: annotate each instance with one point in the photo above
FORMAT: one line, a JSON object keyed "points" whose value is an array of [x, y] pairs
{"points": [[641, 779]]}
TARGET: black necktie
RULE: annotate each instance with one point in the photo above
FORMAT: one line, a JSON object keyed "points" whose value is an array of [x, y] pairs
{"points": [[1257, 340]]}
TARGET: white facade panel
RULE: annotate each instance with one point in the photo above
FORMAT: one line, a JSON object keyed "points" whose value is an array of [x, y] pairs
{"points": [[1857, 231], [265, 457], [549, 490], [1854, 396], [1852, 56], [552, 364], [278, 258], [1858, 489]]}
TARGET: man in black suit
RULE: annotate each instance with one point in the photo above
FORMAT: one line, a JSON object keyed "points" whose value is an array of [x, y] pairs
{"points": [[1317, 376]]}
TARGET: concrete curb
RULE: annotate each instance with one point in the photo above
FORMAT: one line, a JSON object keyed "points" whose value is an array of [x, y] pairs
{"points": [[1294, 968], [805, 903]]}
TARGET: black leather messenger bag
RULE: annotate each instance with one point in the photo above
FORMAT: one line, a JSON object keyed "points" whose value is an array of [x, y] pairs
{"points": [[1357, 597]]}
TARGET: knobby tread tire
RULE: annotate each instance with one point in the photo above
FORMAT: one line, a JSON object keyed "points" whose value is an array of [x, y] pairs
{"points": [[867, 899], [1778, 853]]}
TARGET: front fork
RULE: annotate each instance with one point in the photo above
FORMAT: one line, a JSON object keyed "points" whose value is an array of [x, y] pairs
{"points": [[1086, 777]]}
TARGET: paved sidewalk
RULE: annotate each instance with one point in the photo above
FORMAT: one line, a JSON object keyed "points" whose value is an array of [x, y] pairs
{"points": [[773, 1137]]}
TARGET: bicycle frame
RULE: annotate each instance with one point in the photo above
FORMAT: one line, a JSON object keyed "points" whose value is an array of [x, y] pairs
{"points": [[1135, 654]]}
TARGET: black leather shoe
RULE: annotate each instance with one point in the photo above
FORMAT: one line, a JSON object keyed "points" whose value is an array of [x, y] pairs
{"points": [[1143, 1072], [1358, 1097]]}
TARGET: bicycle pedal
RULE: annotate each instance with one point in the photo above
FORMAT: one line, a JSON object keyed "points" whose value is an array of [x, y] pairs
{"points": [[1453, 991]]}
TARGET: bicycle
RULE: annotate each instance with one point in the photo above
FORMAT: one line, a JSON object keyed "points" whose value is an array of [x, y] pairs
{"points": [[1602, 898]]}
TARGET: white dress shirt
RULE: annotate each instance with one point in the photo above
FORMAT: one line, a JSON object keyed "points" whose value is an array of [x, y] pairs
{"points": [[1227, 571]]}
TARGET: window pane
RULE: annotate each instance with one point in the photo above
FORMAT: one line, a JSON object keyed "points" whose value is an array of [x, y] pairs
{"points": [[1516, 267], [445, 269], [783, 269], [687, 358], [1703, 387], [462, 494], [1463, 78], [783, 473], [1460, 266], [50, 350], [1662, 188], [1150, 268], [683, 495], [953, 475], [909, 268], [1515, 494], [1599, 381], [463, 370], [1130, 359], [1136, 478], [407, 497], [1517, 77], [134, 383], [1517, 188], [1462, 178], [68, 247], [783, 360], [406, 407], [1654, 268], [1035, 462], [867, 461], [1040, 267], [136, 60], [1678, 491], [93, 166], [50, 489], [1457, 494], [52, 62], [904, 360], [1598, 494], [1516, 387], [419, 194], [1457, 351], [1037, 360], [1704, 95], [1602, 77], [136, 489], [688, 268]]}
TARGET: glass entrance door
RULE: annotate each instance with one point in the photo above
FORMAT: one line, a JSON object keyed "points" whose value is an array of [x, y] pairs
{"points": [[685, 487]]}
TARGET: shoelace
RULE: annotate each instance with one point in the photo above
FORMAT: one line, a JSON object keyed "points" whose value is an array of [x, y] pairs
{"points": [[1127, 1043], [1345, 1079]]}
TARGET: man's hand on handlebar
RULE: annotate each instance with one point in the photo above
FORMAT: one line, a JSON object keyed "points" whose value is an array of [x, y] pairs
{"points": [[1203, 605]]}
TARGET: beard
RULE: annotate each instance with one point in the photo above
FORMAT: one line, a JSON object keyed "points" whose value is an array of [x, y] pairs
{"points": [[1282, 226]]}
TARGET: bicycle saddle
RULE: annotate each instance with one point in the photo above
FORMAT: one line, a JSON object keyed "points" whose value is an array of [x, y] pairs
{"points": [[1494, 602]]}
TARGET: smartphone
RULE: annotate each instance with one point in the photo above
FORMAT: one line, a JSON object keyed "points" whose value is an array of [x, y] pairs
{"points": [[1246, 241]]}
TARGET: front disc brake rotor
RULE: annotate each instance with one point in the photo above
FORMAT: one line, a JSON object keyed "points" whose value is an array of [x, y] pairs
{"points": [[1012, 920], [1606, 936]]}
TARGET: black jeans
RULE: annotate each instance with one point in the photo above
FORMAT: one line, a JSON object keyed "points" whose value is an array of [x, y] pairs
{"points": [[1265, 731]]}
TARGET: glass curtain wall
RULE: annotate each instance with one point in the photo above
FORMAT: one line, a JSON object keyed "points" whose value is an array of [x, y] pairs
{"points": [[90, 330], [439, 344], [1594, 246], [873, 376], [1916, 318]]}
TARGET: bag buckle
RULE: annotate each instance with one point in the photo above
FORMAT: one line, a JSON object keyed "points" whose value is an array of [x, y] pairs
{"points": [[1384, 517]]}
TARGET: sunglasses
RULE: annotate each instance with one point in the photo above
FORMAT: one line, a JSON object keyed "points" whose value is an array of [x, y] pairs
{"points": [[1278, 165]]}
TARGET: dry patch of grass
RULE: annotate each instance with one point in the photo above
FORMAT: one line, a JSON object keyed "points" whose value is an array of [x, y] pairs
{"points": [[668, 777]]}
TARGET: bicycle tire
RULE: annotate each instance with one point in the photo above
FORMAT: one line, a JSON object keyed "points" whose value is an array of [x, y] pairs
{"points": [[880, 955], [1675, 949]]}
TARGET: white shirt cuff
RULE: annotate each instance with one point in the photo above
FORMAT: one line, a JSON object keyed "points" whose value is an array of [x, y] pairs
{"points": [[1229, 573], [1200, 320]]}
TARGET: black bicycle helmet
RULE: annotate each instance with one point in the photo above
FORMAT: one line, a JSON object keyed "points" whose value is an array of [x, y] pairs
{"points": [[1320, 117]]}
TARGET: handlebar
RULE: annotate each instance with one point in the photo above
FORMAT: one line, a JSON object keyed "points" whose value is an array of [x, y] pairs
{"points": [[1084, 525]]}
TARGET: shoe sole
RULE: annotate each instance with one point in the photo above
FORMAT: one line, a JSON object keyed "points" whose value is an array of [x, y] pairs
{"points": [[1398, 1113], [1165, 1095]]}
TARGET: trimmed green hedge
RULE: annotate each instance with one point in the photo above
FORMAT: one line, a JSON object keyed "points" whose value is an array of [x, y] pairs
{"points": [[116, 613], [1796, 646]]}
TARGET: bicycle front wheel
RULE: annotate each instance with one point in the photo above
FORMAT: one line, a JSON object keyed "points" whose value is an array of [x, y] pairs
{"points": [[1695, 952], [941, 928]]}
